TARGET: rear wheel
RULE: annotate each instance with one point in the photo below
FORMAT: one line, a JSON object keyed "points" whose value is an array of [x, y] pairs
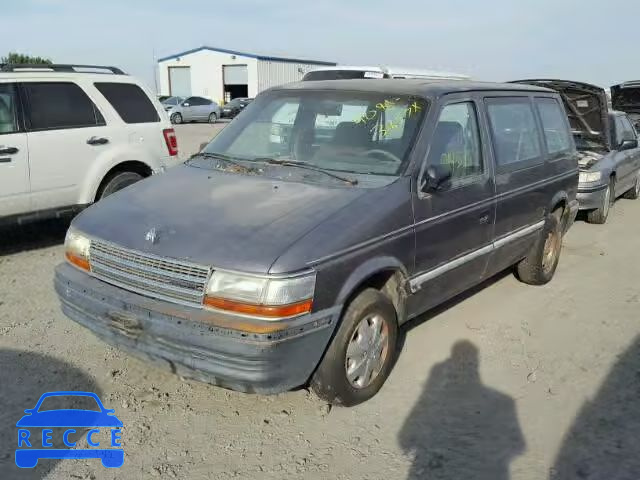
{"points": [[117, 181], [634, 193], [539, 266], [176, 118], [213, 118], [600, 214], [362, 352]]}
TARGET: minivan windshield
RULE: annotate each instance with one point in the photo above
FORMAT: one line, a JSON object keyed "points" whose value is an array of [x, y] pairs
{"points": [[366, 133]]}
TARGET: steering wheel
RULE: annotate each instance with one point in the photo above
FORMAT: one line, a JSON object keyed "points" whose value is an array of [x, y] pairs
{"points": [[381, 153]]}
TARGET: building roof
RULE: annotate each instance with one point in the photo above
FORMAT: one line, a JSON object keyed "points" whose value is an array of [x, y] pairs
{"points": [[245, 54], [411, 86]]}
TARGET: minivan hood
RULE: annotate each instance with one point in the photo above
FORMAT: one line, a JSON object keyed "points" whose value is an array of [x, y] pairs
{"points": [[586, 106], [230, 221], [626, 97]]}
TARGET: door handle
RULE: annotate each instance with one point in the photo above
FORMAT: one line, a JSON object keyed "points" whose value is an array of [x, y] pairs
{"points": [[484, 219], [5, 160], [97, 141], [8, 151]]}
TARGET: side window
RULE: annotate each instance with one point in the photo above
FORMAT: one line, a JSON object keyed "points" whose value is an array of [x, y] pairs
{"points": [[554, 123], [456, 141], [8, 108], [190, 101], [629, 132], [53, 105], [513, 126], [130, 101], [619, 130]]}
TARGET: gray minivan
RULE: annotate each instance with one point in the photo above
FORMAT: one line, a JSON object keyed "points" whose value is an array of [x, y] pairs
{"points": [[280, 257]]}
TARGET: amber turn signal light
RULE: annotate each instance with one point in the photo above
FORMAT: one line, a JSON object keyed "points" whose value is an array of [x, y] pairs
{"points": [[267, 311], [79, 262]]}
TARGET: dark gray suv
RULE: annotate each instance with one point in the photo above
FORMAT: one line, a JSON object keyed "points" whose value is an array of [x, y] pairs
{"points": [[292, 248]]}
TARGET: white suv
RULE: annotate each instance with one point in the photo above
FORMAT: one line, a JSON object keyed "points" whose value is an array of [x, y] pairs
{"points": [[70, 136]]}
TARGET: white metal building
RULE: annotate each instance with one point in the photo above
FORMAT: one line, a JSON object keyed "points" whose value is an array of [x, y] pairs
{"points": [[220, 74]]}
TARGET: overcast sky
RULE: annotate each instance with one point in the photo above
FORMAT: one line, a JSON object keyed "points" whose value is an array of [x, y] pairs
{"points": [[587, 40]]}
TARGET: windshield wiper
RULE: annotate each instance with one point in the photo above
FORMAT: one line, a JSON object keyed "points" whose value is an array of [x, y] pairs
{"points": [[308, 166], [226, 158]]}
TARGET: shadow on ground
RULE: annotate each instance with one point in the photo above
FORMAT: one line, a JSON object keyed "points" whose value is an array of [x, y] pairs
{"points": [[604, 440], [461, 428], [32, 236], [24, 377]]}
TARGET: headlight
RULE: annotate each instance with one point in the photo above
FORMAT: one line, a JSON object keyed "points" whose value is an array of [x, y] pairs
{"points": [[76, 249], [267, 297], [586, 177]]}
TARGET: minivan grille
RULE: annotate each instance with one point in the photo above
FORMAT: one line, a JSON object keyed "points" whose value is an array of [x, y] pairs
{"points": [[147, 274]]}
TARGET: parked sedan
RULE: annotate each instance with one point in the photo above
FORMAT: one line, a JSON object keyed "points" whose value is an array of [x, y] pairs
{"points": [[234, 107], [607, 144], [194, 109]]}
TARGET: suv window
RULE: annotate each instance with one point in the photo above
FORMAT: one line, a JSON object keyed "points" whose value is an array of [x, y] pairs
{"points": [[8, 110], [556, 133], [130, 101], [513, 125], [456, 141], [53, 105]]}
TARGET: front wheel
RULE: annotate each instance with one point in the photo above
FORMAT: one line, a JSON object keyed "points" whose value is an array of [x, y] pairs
{"points": [[213, 118], [176, 118], [362, 352], [599, 215], [539, 266]]}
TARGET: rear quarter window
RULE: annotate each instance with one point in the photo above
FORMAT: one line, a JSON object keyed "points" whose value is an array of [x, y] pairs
{"points": [[130, 101], [554, 124]]}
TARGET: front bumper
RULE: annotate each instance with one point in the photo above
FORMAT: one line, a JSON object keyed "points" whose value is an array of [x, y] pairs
{"points": [[190, 341], [224, 114], [591, 197]]}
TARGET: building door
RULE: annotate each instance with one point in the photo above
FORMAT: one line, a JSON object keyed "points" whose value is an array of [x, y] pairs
{"points": [[180, 81], [236, 81]]}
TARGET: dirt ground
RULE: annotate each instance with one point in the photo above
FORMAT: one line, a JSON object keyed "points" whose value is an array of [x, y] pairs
{"points": [[508, 382]]}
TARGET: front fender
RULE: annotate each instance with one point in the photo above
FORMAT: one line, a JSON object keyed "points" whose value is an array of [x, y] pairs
{"points": [[366, 271]]}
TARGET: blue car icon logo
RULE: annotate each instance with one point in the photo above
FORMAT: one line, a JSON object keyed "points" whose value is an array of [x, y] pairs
{"points": [[31, 447]]}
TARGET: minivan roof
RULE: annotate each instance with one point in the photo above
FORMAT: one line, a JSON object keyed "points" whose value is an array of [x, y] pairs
{"points": [[411, 86]]}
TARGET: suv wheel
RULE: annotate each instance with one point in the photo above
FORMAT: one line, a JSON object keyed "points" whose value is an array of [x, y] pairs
{"points": [[362, 352], [117, 181], [538, 267], [634, 193], [213, 118], [176, 118], [600, 215]]}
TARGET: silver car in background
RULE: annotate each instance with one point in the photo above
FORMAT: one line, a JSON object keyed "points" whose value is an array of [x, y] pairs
{"points": [[193, 109]]}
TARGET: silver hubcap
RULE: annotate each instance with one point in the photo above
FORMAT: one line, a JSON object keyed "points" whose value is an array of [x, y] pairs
{"points": [[607, 201], [551, 247], [367, 351]]}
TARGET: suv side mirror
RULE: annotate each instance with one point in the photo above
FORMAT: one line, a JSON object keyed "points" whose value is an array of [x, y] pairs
{"points": [[628, 144], [437, 177]]}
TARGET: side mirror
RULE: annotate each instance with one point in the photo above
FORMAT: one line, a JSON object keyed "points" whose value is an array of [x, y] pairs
{"points": [[185, 104], [628, 144], [436, 178]]}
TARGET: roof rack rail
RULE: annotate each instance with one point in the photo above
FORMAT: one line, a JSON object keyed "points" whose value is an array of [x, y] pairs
{"points": [[58, 67]]}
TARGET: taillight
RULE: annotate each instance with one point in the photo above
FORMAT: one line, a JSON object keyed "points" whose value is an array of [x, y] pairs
{"points": [[171, 141]]}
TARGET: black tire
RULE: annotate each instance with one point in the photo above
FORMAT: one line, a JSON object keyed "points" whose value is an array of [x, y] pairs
{"points": [[599, 215], [176, 118], [330, 381], [213, 118], [117, 181], [538, 268], [634, 193]]}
